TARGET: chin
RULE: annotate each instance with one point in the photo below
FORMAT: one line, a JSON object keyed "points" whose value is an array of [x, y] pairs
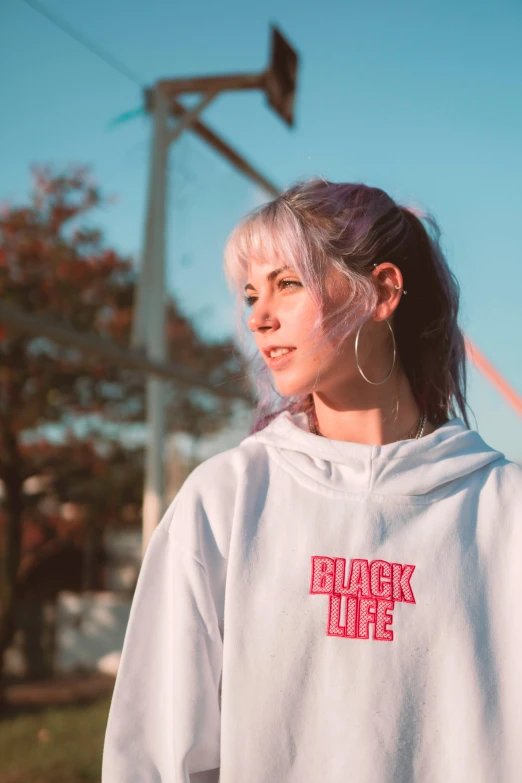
{"points": [[293, 387]]}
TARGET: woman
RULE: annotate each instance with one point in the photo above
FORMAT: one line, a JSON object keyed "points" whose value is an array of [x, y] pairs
{"points": [[337, 598]]}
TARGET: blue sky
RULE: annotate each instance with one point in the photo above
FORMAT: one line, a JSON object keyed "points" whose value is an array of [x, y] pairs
{"points": [[418, 98]]}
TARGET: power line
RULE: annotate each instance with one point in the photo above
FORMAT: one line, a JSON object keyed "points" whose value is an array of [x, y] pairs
{"points": [[98, 51], [178, 109]]}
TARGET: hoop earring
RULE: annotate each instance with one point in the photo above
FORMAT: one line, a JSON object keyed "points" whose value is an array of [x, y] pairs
{"points": [[375, 383]]}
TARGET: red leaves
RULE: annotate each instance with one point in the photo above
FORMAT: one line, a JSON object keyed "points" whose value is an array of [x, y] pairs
{"points": [[65, 274]]}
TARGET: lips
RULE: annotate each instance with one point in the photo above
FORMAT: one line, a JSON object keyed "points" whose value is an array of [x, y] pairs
{"points": [[279, 361], [270, 348]]}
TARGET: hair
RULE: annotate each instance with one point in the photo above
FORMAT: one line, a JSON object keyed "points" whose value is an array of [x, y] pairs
{"points": [[317, 227]]}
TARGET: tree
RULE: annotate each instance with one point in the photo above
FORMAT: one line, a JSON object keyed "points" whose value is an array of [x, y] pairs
{"points": [[64, 415]]}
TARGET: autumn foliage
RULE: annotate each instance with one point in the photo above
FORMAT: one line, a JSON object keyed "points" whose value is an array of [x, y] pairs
{"points": [[67, 467]]}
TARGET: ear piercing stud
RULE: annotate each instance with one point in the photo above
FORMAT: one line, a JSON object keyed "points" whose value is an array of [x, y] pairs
{"points": [[397, 287]]}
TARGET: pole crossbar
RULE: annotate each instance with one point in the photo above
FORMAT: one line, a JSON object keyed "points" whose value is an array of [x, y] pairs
{"points": [[186, 121], [240, 81], [41, 326], [223, 148]]}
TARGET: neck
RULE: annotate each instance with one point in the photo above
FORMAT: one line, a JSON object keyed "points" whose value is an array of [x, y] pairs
{"points": [[375, 424]]}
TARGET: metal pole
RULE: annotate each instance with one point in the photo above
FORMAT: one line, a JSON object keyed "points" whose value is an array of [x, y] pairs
{"points": [[139, 328], [154, 315], [149, 322]]}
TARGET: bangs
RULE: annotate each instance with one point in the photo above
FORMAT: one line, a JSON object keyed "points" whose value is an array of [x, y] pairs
{"points": [[270, 234]]}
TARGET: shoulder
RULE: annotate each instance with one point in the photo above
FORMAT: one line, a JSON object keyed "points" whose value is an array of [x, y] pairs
{"points": [[501, 496], [226, 471], [229, 473], [506, 476], [202, 512]]}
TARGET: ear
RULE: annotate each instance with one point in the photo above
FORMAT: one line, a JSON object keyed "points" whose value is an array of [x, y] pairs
{"points": [[388, 281]]}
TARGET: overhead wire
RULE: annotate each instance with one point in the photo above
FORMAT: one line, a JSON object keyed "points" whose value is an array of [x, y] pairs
{"points": [[104, 55]]}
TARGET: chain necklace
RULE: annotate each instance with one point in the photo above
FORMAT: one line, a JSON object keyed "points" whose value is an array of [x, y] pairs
{"points": [[314, 428]]}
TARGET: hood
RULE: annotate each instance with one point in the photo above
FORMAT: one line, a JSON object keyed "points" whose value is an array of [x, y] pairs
{"points": [[405, 467]]}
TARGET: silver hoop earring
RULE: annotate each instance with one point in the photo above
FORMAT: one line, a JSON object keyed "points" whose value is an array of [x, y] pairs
{"points": [[374, 383]]}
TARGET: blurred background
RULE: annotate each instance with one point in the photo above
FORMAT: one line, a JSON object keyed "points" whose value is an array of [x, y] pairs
{"points": [[122, 152]]}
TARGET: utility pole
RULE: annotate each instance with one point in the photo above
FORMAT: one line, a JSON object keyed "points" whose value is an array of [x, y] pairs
{"points": [[278, 81], [152, 285]]}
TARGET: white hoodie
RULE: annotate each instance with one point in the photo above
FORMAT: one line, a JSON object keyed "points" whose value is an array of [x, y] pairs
{"points": [[314, 610]]}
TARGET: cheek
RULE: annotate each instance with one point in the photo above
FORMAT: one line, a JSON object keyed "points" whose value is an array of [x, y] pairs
{"points": [[301, 315]]}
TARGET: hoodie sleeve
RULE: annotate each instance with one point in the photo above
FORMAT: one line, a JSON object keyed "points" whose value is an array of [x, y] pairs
{"points": [[164, 718]]}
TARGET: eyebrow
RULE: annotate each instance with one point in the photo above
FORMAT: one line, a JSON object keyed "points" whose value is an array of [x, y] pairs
{"points": [[270, 276]]}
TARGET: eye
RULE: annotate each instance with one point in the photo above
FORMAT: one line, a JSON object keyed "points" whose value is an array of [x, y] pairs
{"points": [[284, 283]]}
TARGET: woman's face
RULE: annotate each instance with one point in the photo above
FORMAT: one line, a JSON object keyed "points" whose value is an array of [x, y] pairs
{"points": [[282, 315]]}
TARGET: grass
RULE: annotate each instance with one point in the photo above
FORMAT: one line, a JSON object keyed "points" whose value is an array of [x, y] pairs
{"points": [[54, 745]]}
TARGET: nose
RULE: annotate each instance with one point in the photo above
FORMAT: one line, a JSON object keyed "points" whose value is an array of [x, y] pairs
{"points": [[256, 324], [261, 319]]}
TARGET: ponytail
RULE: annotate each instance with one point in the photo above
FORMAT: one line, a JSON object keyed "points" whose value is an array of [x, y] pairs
{"points": [[430, 344]]}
